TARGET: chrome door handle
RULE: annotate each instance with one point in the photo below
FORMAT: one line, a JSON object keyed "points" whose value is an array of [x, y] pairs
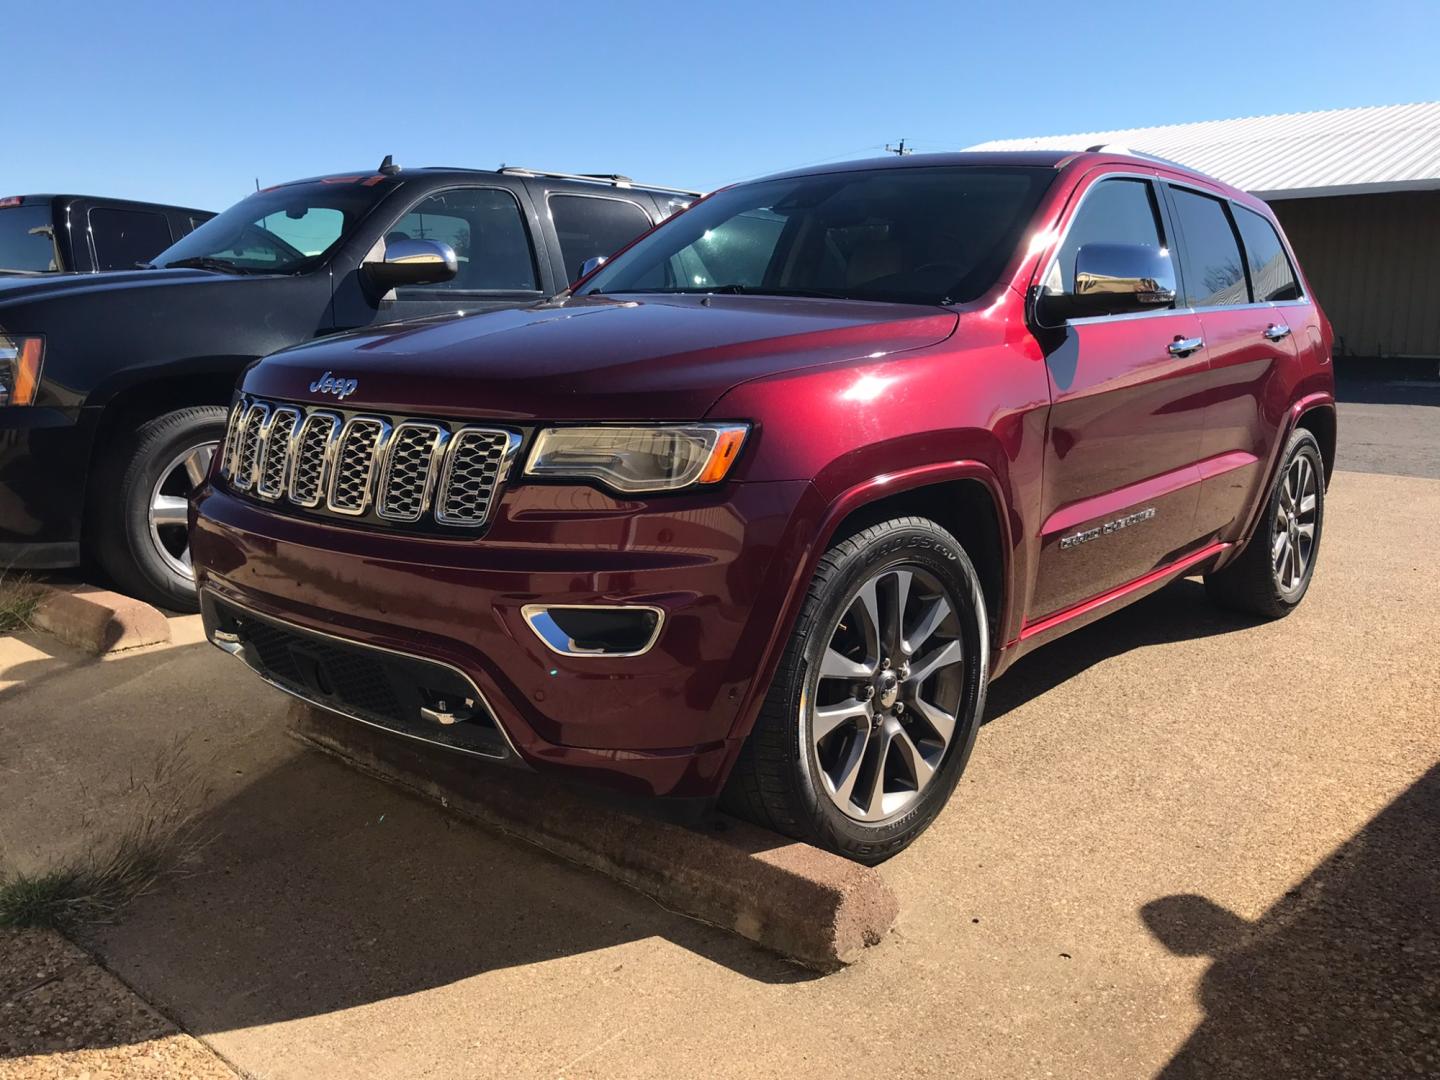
{"points": [[1276, 332], [1185, 346]]}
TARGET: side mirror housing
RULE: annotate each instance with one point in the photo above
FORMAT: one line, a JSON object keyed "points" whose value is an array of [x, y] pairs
{"points": [[1110, 279], [590, 265], [411, 262]]}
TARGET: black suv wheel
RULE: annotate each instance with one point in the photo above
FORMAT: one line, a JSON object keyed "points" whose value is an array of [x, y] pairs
{"points": [[139, 512], [874, 709]]}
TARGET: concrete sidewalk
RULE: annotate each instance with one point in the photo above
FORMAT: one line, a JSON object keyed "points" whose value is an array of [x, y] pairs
{"points": [[1186, 844]]}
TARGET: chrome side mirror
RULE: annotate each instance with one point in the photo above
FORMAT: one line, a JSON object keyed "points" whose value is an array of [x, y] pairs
{"points": [[412, 262], [1111, 279]]}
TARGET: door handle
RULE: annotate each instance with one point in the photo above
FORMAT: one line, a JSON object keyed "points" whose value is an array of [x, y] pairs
{"points": [[1185, 346], [1276, 332]]}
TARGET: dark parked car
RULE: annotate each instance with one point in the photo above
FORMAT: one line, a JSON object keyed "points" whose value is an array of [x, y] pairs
{"points": [[764, 502], [52, 234], [113, 387]]}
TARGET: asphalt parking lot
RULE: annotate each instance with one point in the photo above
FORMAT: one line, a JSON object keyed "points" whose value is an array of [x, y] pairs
{"points": [[1187, 845]]}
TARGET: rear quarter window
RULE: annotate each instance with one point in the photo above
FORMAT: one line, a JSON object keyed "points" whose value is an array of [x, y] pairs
{"points": [[27, 241], [1271, 275], [588, 226], [124, 238]]}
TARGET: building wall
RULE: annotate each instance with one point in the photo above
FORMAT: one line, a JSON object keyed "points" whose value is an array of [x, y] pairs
{"points": [[1373, 262]]}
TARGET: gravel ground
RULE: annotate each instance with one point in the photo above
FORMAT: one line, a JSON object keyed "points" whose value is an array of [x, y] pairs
{"points": [[63, 1015]]}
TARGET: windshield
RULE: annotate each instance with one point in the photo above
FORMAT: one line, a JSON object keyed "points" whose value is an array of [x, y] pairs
{"points": [[922, 235], [27, 240], [280, 231]]}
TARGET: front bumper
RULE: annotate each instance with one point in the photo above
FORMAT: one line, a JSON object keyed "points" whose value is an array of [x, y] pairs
{"points": [[664, 722]]}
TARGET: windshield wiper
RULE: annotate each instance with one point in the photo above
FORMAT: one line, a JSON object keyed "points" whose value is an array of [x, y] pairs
{"points": [[206, 262]]}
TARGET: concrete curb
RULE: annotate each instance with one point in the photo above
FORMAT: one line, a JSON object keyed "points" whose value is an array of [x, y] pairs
{"points": [[97, 620], [816, 908]]}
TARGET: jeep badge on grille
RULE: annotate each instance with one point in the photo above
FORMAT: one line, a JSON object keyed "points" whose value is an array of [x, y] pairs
{"points": [[329, 384]]}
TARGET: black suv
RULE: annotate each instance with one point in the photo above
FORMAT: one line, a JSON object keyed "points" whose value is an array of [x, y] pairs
{"points": [[52, 234], [114, 387]]}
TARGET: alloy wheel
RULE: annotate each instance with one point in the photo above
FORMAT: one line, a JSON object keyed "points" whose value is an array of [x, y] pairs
{"points": [[1292, 543], [882, 711], [169, 525]]}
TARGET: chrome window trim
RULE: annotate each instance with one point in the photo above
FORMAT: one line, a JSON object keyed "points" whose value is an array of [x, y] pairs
{"points": [[376, 452], [1037, 279], [235, 650], [530, 612], [438, 441], [326, 459], [502, 472]]}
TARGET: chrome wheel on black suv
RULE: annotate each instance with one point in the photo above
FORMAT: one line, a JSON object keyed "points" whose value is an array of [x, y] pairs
{"points": [[1271, 576], [873, 712]]}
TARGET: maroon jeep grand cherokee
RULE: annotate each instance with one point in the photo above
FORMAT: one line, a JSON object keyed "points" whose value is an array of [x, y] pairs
{"points": [[760, 506]]}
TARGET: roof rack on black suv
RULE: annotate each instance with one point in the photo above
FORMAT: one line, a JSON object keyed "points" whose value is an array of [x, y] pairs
{"points": [[613, 179], [111, 440]]}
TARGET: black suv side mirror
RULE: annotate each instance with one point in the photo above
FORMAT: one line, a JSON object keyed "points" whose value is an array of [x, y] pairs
{"points": [[411, 262], [1110, 279]]}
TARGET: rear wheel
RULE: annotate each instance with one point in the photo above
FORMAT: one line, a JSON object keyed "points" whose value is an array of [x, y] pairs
{"points": [[140, 509], [873, 711], [1271, 576]]}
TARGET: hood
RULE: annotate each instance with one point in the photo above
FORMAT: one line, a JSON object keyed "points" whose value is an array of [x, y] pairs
{"points": [[18, 290], [597, 358]]}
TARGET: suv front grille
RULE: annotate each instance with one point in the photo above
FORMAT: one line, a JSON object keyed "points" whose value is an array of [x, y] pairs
{"points": [[385, 468]]}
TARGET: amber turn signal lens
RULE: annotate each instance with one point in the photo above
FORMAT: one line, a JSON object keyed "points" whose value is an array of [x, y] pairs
{"points": [[722, 455], [20, 359]]}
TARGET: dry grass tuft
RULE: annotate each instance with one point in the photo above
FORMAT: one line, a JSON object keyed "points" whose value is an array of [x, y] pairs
{"points": [[155, 832], [18, 597]]}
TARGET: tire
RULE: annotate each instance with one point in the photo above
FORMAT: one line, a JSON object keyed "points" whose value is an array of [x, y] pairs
{"points": [[822, 790], [152, 464], [1259, 581]]}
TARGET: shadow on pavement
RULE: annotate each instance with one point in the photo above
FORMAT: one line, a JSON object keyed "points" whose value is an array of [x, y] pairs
{"points": [[1179, 612], [1341, 977]]}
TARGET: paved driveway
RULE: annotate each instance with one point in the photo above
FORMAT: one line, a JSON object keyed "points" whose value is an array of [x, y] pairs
{"points": [[1187, 845]]}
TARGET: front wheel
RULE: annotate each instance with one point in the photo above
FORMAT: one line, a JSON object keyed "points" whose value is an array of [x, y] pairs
{"points": [[873, 711], [139, 513]]}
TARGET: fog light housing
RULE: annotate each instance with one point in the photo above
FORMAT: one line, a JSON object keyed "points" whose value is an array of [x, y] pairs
{"points": [[595, 629]]}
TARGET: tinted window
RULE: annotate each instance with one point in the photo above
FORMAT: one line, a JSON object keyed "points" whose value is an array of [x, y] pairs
{"points": [[27, 241], [286, 229], [125, 238], [922, 235], [588, 227], [1271, 276], [1113, 212], [1214, 274], [488, 234]]}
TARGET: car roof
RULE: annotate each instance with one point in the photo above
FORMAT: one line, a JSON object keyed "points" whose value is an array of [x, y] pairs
{"points": [[459, 174], [147, 203]]}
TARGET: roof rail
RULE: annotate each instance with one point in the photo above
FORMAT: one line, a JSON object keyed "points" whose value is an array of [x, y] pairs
{"points": [[1116, 148], [613, 179]]}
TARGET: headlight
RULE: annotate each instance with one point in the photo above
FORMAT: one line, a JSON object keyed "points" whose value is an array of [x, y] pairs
{"points": [[635, 459], [20, 368]]}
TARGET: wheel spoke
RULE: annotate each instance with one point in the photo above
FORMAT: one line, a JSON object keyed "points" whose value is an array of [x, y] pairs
{"points": [[1277, 549], [197, 464], [844, 783], [168, 510], [1307, 504], [920, 770], [939, 720], [895, 616], [836, 665], [1307, 532], [952, 652], [826, 718], [882, 742], [868, 604], [929, 622]]}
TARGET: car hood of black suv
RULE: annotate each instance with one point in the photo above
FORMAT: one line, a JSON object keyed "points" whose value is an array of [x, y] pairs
{"points": [[613, 358], [19, 290]]}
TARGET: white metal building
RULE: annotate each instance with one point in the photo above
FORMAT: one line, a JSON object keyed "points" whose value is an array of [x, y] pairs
{"points": [[1358, 191]]}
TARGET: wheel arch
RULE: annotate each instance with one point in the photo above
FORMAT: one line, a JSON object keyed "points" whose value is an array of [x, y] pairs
{"points": [[1319, 420]]}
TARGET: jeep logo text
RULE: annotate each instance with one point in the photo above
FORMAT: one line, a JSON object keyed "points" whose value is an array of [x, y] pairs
{"points": [[329, 384]]}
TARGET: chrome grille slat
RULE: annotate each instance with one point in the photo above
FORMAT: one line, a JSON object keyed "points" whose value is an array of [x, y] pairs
{"points": [[361, 442], [475, 464], [277, 440], [407, 478], [381, 468]]}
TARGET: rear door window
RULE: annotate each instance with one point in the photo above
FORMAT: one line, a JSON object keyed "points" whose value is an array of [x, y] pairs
{"points": [[1210, 255], [125, 238], [27, 240], [588, 226], [485, 227], [1271, 275]]}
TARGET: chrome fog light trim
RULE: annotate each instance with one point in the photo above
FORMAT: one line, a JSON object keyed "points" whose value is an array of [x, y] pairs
{"points": [[557, 640]]}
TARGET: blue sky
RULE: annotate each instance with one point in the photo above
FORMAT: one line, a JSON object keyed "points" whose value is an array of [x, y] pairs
{"points": [[191, 103]]}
